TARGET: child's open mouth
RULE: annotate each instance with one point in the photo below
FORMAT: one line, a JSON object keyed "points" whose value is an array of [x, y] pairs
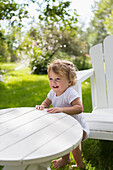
{"points": [[55, 87]]}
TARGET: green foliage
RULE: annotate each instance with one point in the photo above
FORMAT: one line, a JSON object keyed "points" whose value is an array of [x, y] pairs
{"points": [[82, 63], [54, 43], [4, 55], [9, 47], [101, 24], [108, 22], [1, 167], [106, 154], [57, 12], [12, 11], [42, 43], [99, 153], [57, 33], [39, 66]]}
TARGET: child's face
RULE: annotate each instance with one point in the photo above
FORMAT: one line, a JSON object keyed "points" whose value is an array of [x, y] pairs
{"points": [[58, 83]]}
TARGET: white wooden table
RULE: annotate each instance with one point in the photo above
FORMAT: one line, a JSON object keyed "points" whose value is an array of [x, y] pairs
{"points": [[30, 139]]}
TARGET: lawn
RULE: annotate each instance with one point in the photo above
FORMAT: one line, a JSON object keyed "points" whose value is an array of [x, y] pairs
{"points": [[21, 88]]}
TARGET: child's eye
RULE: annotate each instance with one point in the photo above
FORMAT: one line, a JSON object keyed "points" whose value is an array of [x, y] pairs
{"points": [[50, 79], [57, 79]]}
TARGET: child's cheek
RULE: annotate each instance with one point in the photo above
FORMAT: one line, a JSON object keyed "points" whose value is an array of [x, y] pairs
{"points": [[50, 84]]}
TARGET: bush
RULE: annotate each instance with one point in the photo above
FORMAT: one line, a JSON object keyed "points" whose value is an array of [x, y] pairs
{"points": [[82, 63], [39, 66]]}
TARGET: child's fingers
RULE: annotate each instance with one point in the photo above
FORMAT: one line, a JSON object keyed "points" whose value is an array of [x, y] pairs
{"points": [[39, 107], [50, 110]]}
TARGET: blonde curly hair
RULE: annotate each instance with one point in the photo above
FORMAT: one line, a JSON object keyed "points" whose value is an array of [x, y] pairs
{"points": [[63, 68]]}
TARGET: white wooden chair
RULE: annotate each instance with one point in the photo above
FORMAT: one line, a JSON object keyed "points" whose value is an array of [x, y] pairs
{"points": [[100, 121]]}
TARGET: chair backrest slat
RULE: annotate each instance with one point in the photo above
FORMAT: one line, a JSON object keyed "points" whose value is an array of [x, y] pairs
{"points": [[108, 54], [96, 54]]}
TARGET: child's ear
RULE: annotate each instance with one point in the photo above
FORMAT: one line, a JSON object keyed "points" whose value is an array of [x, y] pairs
{"points": [[70, 82]]}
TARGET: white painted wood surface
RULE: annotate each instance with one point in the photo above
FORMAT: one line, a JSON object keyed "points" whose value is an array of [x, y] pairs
{"points": [[108, 54], [100, 121], [30, 139], [82, 76], [96, 54]]}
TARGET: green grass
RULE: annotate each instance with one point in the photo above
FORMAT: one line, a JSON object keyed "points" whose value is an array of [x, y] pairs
{"points": [[22, 89], [9, 66]]}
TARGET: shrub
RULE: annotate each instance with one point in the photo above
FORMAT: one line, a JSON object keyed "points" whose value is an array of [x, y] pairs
{"points": [[82, 63]]}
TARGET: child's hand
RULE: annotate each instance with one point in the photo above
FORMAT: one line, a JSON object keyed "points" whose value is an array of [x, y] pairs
{"points": [[55, 110], [40, 107]]}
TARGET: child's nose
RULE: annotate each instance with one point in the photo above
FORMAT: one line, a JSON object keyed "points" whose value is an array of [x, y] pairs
{"points": [[54, 80]]}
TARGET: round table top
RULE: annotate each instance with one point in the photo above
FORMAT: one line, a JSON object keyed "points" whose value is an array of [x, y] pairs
{"points": [[28, 135]]}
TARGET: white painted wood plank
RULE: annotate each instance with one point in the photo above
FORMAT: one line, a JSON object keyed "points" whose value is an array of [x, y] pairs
{"points": [[101, 135], [30, 144], [14, 113], [20, 121], [28, 129], [98, 117], [101, 126], [54, 148], [96, 54], [4, 111], [93, 91], [104, 111], [84, 75], [108, 54]]}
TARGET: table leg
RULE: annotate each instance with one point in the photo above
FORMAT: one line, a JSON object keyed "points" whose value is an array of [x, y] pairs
{"points": [[14, 167], [28, 167], [46, 165], [42, 166], [37, 167]]}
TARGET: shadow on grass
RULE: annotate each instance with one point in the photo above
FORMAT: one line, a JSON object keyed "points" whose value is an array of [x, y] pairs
{"points": [[1, 167], [99, 153]]}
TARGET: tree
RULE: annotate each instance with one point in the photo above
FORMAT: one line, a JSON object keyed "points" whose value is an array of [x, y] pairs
{"points": [[13, 39], [58, 13], [98, 29], [57, 21], [3, 49], [12, 12], [109, 20]]}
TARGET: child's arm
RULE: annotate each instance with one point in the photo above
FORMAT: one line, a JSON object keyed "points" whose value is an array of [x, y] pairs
{"points": [[45, 104], [76, 108]]}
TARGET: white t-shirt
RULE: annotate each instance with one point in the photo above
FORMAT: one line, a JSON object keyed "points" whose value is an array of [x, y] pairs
{"points": [[65, 100]]}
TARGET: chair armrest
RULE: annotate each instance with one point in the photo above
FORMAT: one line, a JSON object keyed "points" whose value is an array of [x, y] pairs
{"points": [[84, 75]]}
